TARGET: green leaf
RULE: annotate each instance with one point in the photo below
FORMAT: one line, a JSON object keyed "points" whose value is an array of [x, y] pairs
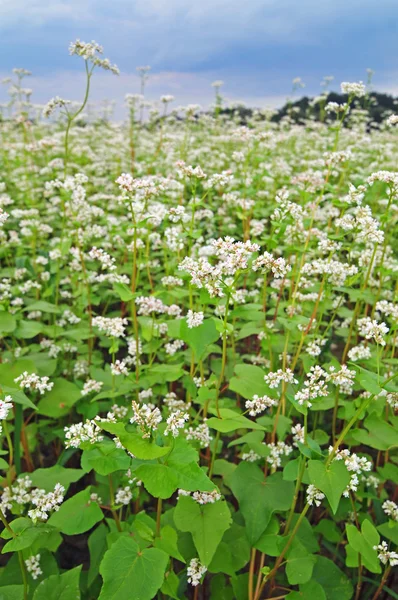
{"points": [[199, 338], [12, 592], [43, 306], [380, 435], [162, 481], [59, 400], [77, 514], [97, 546], [159, 480], [389, 530], [170, 585], [141, 447], [130, 573], [105, 458], [363, 542], [329, 530], [248, 381], [60, 587], [28, 329], [311, 590], [123, 291], [19, 397], [259, 497], [206, 522], [269, 539], [233, 552], [28, 535], [332, 480], [231, 421], [7, 322], [334, 582], [46, 479], [299, 565], [168, 542]]}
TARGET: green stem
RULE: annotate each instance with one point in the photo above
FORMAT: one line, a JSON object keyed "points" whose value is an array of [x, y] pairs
{"points": [[17, 437]]}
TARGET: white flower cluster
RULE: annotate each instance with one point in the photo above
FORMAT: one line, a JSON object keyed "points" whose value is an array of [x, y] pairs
{"points": [[3, 216], [5, 407], [123, 496], [53, 104], [195, 572], [147, 418], [200, 434], [45, 502], [360, 352], [267, 262], [357, 89], [355, 464], [314, 496], [89, 51], [202, 497], [194, 319], [391, 509], [111, 326], [250, 456], [33, 566], [258, 404], [190, 171], [392, 120], [315, 386], [91, 386], [276, 452], [119, 367], [174, 404], [107, 261], [273, 379], [371, 329], [172, 347], [392, 400], [175, 422], [32, 382], [20, 493], [385, 555], [82, 432], [298, 434]]}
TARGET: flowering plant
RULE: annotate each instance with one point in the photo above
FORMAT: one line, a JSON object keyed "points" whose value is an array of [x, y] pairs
{"points": [[199, 328]]}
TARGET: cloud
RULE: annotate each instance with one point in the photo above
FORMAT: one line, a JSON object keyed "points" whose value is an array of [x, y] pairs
{"points": [[257, 46]]}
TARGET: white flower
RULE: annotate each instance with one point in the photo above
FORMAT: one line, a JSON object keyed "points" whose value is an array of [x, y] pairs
{"points": [[353, 89], [33, 566], [273, 379], [391, 509], [123, 496], [314, 496], [385, 555], [175, 422], [258, 404], [82, 432], [113, 327], [33, 382], [119, 368], [194, 319], [5, 407], [91, 386], [147, 418], [195, 572], [201, 434]]}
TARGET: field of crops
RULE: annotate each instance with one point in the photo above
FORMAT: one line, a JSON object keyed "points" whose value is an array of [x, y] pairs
{"points": [[199, 347]]}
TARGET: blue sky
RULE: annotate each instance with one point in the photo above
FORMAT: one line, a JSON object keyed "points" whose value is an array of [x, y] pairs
{"points": [[256, 46]]}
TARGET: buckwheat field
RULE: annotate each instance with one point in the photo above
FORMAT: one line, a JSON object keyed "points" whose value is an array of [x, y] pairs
{"points": [[199, 347]]}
